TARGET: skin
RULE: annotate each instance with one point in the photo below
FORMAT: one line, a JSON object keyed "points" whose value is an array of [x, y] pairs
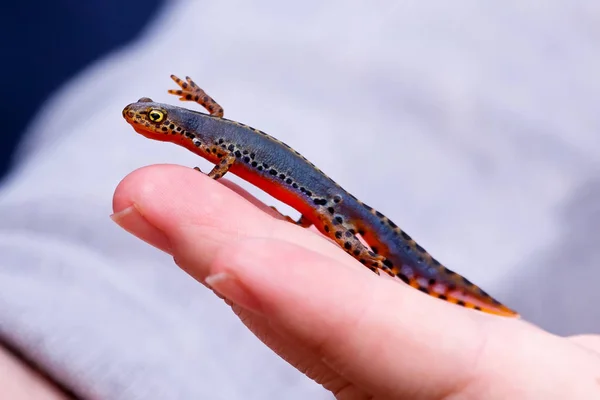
{"points": [[19, 382], [360, 335]]}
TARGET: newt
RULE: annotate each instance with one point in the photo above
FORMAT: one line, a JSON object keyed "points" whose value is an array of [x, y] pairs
{"points": [[285, 174]]}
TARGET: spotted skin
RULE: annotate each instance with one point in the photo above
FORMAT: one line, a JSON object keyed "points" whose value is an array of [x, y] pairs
{"points": [[221, 168], [282, 172], [191, 92]]}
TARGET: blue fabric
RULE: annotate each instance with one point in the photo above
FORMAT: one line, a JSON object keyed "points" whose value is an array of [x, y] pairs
{"points": [[47, 42]]}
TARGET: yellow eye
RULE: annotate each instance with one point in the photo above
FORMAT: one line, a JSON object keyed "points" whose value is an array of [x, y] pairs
{"points": [[156, 115]]}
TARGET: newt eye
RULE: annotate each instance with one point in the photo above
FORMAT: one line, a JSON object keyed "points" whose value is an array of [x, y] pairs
{"points": [[156, 115]]}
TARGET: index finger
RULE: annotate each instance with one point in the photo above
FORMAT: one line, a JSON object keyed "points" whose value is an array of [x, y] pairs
{"points": [[379, 333]]}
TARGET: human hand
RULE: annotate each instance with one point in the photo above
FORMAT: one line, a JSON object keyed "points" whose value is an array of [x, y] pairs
{"points": [[22, 381], [360, 335]]}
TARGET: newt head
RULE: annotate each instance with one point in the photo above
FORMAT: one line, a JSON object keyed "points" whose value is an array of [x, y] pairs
{"points": [[149, 118]]}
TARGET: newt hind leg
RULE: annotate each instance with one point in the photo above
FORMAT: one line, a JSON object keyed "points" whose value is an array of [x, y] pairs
{"points": [[344, 234], [346, 237], [302, 221], [191, 92]]}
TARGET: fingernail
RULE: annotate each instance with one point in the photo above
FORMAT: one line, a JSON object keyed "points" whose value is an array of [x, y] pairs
{"points": [[132, 220], [230, 287]]}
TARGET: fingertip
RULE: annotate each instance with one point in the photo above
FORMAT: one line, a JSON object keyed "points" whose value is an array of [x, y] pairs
{"points": [[169, 193], [230, 287], [131, 220], [130, 187]]}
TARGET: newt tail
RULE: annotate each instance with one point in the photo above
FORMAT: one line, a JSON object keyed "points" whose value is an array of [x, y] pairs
{"points": [[286, 175]]}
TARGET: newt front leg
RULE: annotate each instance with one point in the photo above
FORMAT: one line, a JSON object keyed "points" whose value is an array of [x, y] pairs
{"points": [[191, 92], [221, 168]]}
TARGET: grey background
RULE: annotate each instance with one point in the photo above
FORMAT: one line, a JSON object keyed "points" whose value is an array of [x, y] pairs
{"points": [[472, 125]]}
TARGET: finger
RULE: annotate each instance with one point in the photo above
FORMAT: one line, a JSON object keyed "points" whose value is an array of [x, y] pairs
{"points": [[156, 192], [263, 207], [130, 219], [250, 198], [386, 338], [380, 334], [20, 382], [178, 200], [380, 337], [204, 220], [295, 352], [591, 342]]}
